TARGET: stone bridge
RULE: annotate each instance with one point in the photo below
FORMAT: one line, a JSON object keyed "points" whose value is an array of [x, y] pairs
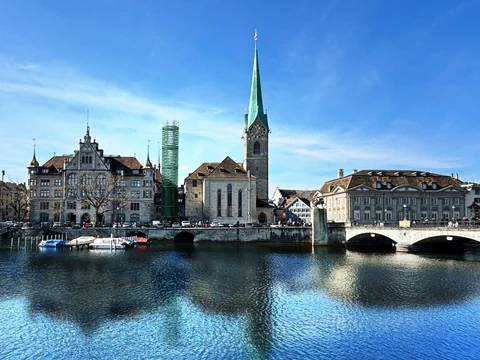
{"points": [[413, 238]]}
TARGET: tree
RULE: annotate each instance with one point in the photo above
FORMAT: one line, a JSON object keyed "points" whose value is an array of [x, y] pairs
{"points": [[18, 201], [104, 192]]}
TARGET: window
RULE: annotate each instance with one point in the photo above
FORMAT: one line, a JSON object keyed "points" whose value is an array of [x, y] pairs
{"points": [[457, 201], [135, 194], [229, 200], [101, 180], [134, 217], [196, 196], [44, 205], [366, 215], [147, 183], [85, 206], [45, 171], [135, 171], [72, 193], [434, 201], [45, 182], [356, 200], [72, 179], [356, 215], [44, 193], [135, 206], [378, 185], [434, 215], [434, 186], [58, 182], [86, 180], [43, 217], [378, 201], [446, 201], [219, 202], [122, 183], [135, 183], [240, 203], [424, 201], [56, 206], [194, 183], [256, 148], [71, 205], [33, 181], [33, 193], [388, 201], [378, 215], [147, 194]]}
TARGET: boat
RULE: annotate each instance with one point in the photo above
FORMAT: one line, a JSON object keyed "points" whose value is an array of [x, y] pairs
{"points": [[52, 243], [138, 240], [129, 242], [81, 240], [110, 243]]}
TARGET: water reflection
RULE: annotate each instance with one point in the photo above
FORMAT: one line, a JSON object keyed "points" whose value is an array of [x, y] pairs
{"points": [[239, 281]]}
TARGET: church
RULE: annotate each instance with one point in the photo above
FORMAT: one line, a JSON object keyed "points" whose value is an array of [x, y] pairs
{"points": [[227, 191]]}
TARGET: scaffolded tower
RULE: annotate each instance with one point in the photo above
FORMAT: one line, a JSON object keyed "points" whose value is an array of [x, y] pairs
{"points": [[169, 168]]}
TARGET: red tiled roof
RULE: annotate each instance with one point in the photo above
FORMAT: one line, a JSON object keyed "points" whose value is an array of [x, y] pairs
{"points": [[57, 162]]}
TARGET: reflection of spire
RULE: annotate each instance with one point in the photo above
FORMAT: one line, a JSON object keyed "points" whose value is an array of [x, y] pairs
{"points": [[148, 164], [34, 162]]}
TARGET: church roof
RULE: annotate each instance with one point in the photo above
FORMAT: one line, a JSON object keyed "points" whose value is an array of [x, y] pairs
{"points": [[255, 108], [122, 162], [228, 169], [57, 162]]}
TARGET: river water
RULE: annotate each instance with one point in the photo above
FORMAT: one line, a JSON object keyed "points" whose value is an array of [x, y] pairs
{"points": [[219, 301]]}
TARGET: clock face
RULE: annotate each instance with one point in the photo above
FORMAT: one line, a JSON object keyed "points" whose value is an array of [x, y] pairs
{"points": [[257, 131]]}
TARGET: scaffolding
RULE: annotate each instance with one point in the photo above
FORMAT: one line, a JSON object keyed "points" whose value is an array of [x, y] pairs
{"points": [[170, 168]]}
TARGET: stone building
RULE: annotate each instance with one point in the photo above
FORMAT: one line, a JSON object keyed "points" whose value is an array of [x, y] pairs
{"points": [[472, 200], [369, 196], [220, 192], [13, 201], [292, 205], [89, 186], [237, 191]]}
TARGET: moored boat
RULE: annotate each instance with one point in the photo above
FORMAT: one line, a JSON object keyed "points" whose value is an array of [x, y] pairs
{"points": [[138, 240], [52, 243], [81, 240], [109, 243]]}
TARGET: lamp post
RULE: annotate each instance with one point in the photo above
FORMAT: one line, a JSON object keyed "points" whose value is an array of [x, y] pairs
{"points": [[385, 215], [404, 211], [453, 212]]}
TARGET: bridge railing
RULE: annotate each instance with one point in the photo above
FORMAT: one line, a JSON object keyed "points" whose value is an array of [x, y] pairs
{"points": [[425, 224]]}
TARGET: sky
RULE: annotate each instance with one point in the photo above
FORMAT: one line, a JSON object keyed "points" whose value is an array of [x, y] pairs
{"points": [[346, 84]]}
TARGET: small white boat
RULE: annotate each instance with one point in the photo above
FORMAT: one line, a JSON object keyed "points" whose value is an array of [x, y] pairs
{"points": [[51, 243], [81, 240], [110, 243]]}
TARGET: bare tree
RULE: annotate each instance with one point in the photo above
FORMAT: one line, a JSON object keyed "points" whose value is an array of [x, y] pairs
{"points": [[18, 201], [103, 192]]}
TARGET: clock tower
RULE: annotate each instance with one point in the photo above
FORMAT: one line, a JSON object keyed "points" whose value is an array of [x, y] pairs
{"points": [[255, 137]]}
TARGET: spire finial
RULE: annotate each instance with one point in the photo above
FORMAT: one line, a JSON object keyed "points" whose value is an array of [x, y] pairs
{"points": [[255, 36], [34, 162]]}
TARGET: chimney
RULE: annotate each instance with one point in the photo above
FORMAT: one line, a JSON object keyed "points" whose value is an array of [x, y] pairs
{"points": [[456, 176], [340, 173], [354, 171]]}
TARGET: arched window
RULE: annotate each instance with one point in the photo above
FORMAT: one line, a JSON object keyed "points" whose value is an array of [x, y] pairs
{"points": [[219, 202], [256, 148], [240, 203], [86, 179], [134, 217], [72, 179], [229, 200], [43, 217]]}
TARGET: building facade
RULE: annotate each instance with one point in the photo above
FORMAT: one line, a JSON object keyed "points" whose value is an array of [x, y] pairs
{"points": [[222, 192], [170, 142], [90, 187], [292, 205], [13, 202], [472, 200], [388, 196]]}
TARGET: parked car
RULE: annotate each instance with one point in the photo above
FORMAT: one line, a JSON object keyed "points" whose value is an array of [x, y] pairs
{"points": [[186, 223], [215, 224], [176, 225], [57, 224]]}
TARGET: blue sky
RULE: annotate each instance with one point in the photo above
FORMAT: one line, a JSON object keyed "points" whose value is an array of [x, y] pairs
{"points": [[346, 84]]}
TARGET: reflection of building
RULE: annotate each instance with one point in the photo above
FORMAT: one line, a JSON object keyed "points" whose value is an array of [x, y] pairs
{"points": [[170, 169], [293, 205], [472, 200], [391, 195], [90, 186], [230, 191]]}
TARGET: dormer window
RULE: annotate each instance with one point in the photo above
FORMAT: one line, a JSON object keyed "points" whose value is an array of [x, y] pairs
{"points": [[389, 185], [424, 186], [45, 171], [135, 171], [434, 186], [378, 185]]}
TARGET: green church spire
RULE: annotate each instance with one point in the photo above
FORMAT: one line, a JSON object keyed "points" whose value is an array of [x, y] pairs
{"points": [[255, 108]]}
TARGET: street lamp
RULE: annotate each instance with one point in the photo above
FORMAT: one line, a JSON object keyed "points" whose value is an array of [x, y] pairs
{"points": [[453, 212], [404, 211]]}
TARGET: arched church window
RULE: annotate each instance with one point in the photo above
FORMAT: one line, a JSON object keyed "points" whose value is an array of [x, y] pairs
{"points": [[256, 148], [229, 200], [72, 179], [219, 202], [240, 203]]}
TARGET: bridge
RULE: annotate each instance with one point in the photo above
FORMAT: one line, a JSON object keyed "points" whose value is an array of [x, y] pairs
{"points": [[413, 238]]}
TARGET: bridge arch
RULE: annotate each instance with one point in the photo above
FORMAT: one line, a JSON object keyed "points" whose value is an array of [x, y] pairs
{"points": [[184, 237], [371, 239], [136, 233], [442, 243]]}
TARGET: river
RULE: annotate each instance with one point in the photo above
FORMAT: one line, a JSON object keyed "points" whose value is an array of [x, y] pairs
{"points": [[244, 301]]}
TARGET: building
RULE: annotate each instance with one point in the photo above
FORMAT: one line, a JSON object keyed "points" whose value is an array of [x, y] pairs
{"points": [[369, 196], [292, 205], [229, 191], [170, 141], [88, 186], [472, 200], [220, 192]]}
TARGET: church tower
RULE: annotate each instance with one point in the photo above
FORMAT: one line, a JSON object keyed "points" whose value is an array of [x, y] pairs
{"points": [[255, 137]]}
